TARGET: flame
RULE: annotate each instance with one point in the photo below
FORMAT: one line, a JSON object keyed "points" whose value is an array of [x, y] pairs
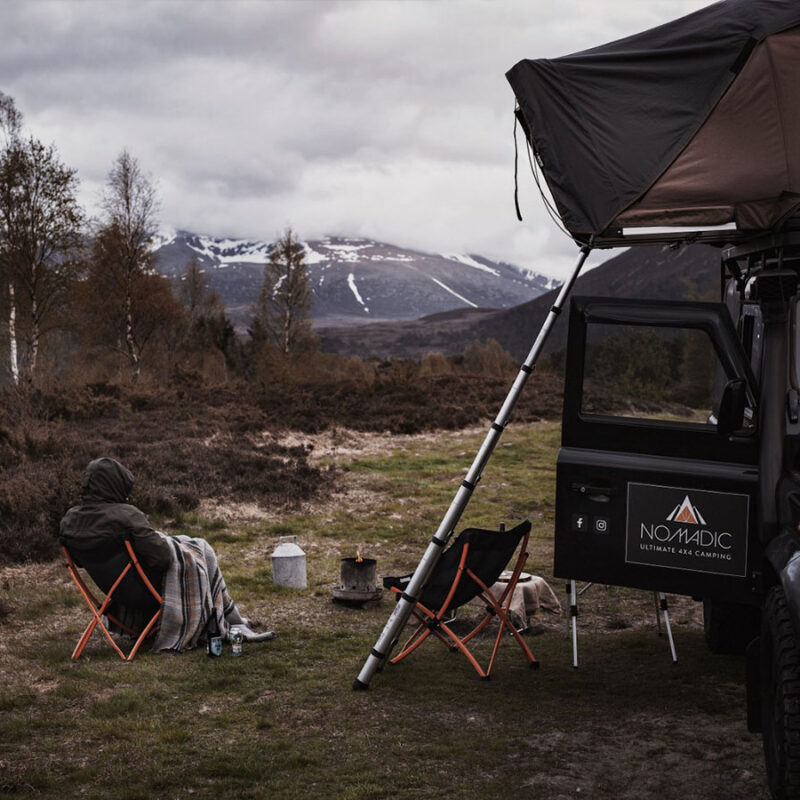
{"points": [[358, 556]]}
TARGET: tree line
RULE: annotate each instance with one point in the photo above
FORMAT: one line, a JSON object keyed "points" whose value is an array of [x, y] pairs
{"points": [[82, 296]]}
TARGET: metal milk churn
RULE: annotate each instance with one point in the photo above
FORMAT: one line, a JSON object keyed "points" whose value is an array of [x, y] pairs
{"points": [[289, 564]]}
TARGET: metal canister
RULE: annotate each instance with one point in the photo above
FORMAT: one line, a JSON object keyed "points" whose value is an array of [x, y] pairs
{"points": [[289, 564]]}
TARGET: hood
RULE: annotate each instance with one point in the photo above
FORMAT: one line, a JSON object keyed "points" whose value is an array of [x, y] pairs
{"points": [[107, 481]]}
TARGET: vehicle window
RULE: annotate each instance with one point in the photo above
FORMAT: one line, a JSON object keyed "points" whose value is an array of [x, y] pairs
{"points": [[651, 373]]}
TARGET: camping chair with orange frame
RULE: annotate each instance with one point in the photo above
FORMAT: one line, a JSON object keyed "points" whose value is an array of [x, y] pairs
{"points": [[117, 573], [466, 571]]}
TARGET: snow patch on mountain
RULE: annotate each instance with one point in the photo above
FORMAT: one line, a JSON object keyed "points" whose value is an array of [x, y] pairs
{"points": [[312, 256], [166, 235], [455, 294], [470, 262], [547, 283], [218, 251], [351, 282], [230, 251]]}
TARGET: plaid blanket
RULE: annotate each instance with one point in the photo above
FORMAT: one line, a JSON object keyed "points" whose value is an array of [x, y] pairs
{"points": [[195, 597]]}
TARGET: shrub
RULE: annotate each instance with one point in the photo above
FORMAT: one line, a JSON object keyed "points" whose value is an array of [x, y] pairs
{"points": [[434, 365], [488, 359]]}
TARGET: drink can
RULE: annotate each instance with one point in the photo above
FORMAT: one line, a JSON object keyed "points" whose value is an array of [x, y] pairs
{"points": [[214, 646], [237, 637]]}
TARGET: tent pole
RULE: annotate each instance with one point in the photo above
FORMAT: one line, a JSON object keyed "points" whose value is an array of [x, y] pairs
{"points": [[388, 638]]}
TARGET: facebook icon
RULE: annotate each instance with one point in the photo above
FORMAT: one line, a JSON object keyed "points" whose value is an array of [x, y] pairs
{"points": [[579, 522]]}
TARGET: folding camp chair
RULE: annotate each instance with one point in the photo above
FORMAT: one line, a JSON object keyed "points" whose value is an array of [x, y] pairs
{"points": [[118, 574], [466, 570]]}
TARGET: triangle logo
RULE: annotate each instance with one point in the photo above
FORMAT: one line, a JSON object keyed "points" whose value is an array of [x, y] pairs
{"points": [[686, 512]]}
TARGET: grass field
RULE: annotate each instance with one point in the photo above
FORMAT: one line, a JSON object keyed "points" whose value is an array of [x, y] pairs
{"points": [[283, 721]]}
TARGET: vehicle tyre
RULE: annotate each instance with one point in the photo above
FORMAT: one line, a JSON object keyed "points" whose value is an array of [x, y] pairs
{"points": [[780, 697], [729, 627]]}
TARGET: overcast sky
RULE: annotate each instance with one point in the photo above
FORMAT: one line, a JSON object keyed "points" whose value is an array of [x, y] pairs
{"points": [[391, 120]]}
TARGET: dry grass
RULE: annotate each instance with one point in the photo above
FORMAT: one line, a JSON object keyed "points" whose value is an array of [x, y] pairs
{"points": [[283, 722]]}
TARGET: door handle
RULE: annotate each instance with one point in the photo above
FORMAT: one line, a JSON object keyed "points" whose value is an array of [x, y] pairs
{"points": [[600, 494]]}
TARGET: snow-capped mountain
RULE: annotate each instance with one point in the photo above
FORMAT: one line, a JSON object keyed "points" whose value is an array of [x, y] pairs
{"points": [[354, 281]]}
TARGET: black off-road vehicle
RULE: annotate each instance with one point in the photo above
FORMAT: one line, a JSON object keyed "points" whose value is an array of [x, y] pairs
{"points": [[706, 505], [686, 133]]}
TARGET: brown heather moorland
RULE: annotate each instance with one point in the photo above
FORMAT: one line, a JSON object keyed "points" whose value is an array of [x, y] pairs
{"points": [[197, 441]]}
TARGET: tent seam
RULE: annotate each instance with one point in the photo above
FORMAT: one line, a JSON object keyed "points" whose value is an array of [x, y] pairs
{"points": [[779, 107]]}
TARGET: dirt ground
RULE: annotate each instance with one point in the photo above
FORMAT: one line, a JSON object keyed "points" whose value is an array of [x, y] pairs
{"points": [[628, 724]]}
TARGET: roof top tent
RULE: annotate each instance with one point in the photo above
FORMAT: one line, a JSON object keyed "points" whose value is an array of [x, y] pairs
{"points": [[691, 124]]}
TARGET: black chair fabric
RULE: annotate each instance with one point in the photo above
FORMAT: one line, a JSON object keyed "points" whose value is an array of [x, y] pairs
{"points": [[489, 554]]}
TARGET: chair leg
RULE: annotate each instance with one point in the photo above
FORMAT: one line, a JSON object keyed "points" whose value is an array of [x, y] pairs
{"points": [[573, 617], [499, 608], [97, 610], [457, 642], [412, 643], [425, 629], [101, 618], [665, 611], [144, 634], [505, 622], [85, 636], [476, 630]]}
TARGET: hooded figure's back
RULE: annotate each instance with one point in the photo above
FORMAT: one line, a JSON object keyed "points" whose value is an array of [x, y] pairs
{"points": [[105, 519]]}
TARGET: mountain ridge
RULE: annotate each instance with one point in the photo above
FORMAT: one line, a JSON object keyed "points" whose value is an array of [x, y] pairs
{"points": [[354, 280]]}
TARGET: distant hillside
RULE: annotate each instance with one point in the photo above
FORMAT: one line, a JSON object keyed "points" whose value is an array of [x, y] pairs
{"points": [[354, 281], [646, 272]]}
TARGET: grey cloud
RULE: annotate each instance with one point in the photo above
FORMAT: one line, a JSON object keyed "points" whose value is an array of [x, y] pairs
{"points": [[342, 117]]}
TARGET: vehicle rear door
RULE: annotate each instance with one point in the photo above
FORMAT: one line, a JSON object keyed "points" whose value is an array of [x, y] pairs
{"points": [[650, 492]]}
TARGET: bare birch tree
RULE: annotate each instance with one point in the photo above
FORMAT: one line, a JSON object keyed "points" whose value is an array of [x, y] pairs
{"points": [[124, 243], [41, 223], [283, 309], [10, 121], [10, 127]]}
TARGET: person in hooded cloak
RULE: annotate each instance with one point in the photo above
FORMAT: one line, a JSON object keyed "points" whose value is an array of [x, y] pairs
{"points": [[196, 602]]}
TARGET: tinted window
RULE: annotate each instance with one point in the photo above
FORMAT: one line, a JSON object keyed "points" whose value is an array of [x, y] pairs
{"points": [[651, 373]]}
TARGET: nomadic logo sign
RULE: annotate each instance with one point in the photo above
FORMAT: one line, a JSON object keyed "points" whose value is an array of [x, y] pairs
{"points": [[686, 512], [689, 529]]}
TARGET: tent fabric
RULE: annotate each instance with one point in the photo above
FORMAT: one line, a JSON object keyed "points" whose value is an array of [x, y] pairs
{"points": [[691, 123]]}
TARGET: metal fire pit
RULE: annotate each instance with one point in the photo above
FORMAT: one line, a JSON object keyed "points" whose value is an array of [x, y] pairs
{"points": [[358, 582]]}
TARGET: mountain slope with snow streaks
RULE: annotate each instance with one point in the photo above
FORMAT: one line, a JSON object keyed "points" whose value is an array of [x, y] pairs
{"points": [[353, 281]]}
